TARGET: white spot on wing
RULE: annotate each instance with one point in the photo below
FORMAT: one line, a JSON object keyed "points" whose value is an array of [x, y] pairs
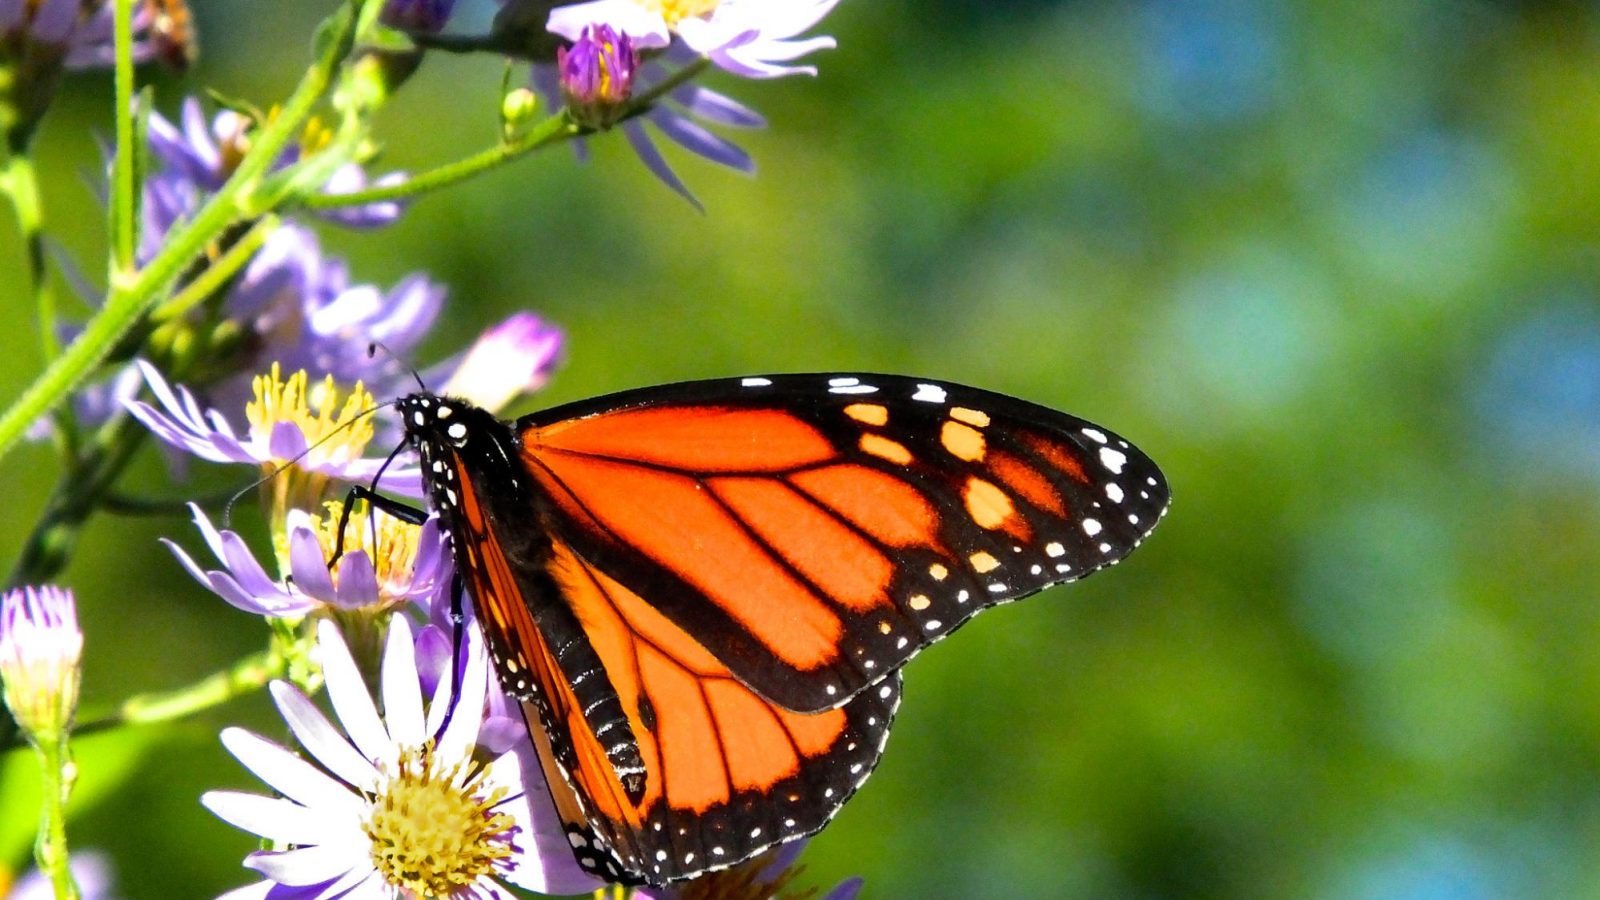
{"points": [[929, 393], [843, 382], [1054, 549], [1113, 459], [1094, 433], [853, 389], [1114, 491], [755, 382], [1091, 527]]}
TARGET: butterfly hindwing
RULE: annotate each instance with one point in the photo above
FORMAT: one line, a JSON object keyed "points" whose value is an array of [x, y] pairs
{"points": [[819, 530]]}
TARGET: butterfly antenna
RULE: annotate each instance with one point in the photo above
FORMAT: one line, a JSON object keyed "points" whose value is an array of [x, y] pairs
{"points": [[375, 346], [227, 510]]}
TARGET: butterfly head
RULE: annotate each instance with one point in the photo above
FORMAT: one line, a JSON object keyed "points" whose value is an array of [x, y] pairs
{"points": [[452, 434], [432, 421]]}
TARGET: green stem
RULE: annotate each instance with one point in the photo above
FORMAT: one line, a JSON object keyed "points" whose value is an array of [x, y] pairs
{"points": [[245, 676], [552, 130], [50, 851], [134, 292], [75, 498], [20, 181], [218, 273], [123, 188], [250, 674]]}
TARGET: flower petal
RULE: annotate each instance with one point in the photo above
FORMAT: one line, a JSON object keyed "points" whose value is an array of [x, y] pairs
{"points": [[321, 739], [307, 865], [402, 694], [462, 732], [653, 160], [272, 818], [647, 28], [348, 694], [291, 776]]}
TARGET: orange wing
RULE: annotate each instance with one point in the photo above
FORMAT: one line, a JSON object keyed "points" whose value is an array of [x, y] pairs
{"points": [[727, 774], [815, 532]]}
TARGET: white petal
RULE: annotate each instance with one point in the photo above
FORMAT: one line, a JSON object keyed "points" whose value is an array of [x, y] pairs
{"points": [[290, 775], [277, 819], [647, 29], [458, 738], [350, 699], [307, 865], [402, 694], [323, 741]]}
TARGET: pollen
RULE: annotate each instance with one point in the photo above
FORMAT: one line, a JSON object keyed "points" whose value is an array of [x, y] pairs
{"points": [[316, 410], [390, 543], [435, 828]]}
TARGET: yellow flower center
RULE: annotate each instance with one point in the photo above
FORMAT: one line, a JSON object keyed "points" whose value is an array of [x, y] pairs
{"points": [[389, 542], [675, 11], [316, 410], [434, 827]]}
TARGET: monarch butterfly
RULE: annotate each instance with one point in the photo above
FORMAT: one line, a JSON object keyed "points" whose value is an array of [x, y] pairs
{"points": [[705, 591]]}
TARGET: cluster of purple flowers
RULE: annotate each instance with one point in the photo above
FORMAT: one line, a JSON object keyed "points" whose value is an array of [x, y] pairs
{"points": [[436, 790]]}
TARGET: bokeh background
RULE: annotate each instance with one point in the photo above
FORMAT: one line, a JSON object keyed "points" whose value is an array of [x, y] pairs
{"points": [[1334, 265]]}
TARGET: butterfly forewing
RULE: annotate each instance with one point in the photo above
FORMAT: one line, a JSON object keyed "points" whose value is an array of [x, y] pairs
{"points": [[818, 531]]}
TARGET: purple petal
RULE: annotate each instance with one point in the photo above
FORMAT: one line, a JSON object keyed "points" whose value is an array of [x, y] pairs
{"points": [[704, 103], [697, 140], [307, 564], [358, 581], [652, 159], [287, 441]]}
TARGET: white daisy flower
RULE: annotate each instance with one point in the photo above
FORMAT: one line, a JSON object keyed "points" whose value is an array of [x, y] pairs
{"points": [[396, 805]]}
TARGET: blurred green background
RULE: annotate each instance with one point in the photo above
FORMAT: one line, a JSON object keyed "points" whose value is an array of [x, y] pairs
{"points": [[1334, 265]]}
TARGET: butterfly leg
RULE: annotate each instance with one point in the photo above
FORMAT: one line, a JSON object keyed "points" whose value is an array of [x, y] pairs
{"points": [[412, 515], [458, 590]]}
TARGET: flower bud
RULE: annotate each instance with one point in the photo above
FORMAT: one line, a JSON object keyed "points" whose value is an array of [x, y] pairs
{"points": [[597, 75], [40, 651]]}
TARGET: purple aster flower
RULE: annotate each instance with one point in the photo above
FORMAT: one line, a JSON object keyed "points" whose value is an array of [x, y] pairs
{"points": [[77, 32], [325, 441], [395, 805], [196, 157], [750, 38], [766, 877], [40, 652], [513, 358], [386, 563], [597, 75], [681, 116], [426, 16], [306, 314], [91, 870]]}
